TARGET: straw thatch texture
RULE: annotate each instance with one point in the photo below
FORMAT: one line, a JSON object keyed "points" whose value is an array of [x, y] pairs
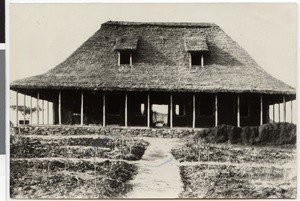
{"points": [[196, 44], [160, 63], [126, 43]]}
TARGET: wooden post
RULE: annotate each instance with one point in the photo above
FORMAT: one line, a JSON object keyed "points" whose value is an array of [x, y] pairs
{"points": [[261, 110], [53, 111], [38, 108], [190, 61], [119, 59], [43, 113], [284, 109], [126, 111], [59, 108], [31, 110], [202, 60], [274, 113], [47, 112], [81, 110], [24, 110], [278, 112], [238, 111], [171, 111], [216, 110], [103, 108], [148, 110], [130, 59], [291, 111], [17, 107], [194, 111]]}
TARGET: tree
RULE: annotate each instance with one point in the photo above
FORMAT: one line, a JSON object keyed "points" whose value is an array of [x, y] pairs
{"points": [[27, 110]]}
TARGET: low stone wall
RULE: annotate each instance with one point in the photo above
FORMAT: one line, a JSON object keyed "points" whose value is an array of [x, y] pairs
{"points": [[112, 131]]}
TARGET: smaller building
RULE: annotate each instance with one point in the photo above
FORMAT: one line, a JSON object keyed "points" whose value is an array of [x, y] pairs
{"points": [[127, 73]]}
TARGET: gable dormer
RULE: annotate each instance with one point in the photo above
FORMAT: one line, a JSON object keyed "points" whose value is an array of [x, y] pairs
{"points": [[125, 46], [197, 49]]}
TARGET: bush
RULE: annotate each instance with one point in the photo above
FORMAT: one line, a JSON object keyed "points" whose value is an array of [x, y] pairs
{"points": [[224, 133], [203, 134], [233, 134], [249, 135], [277, 134], [267, 134], [219, 134]]}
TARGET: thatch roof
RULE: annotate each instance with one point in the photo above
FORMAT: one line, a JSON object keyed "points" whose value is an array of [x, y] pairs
{"points": [[195, 44], [124, 43], [160, 62]]}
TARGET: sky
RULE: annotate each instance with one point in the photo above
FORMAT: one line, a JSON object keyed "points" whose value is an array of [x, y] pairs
{"points": [[44, 35]]}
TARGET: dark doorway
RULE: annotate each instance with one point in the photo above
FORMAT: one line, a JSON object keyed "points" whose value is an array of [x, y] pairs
{"points": [[137, 109], [205, 110], [115, 112], [183, 110]]}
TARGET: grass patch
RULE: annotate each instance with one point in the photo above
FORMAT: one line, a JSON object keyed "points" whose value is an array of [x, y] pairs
{"points": [[206, 152], [211, 170], [47, 167], [77, 147], [226, 181], [60, 179]]}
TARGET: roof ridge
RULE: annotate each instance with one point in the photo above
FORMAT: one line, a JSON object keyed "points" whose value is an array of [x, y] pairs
{"points": [[162, 24]]}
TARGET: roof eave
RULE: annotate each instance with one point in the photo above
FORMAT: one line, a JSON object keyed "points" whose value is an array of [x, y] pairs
{"points": [[103, 88]]}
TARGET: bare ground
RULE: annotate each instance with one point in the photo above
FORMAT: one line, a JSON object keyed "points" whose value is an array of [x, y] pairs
{"points": [[158, 174]]}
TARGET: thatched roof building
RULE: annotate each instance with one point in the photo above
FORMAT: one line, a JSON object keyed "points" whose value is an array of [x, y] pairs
{"points": [[190, 58]]}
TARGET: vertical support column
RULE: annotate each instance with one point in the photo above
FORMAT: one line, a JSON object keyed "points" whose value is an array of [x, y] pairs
{"points": [[190, 60], [126, 109], [81, 110], [103, 109], [194, 111], [216, 110], [202, 60], [43, 112], [238, 111], [31, 110], [274, 113], [47, 112], [130, 59], [24, 110], [171, 111], [261, 110], [284, 109], [38, 108], [148, 110], [119, 59], [278, 112], [291, 111], [59, 108], [17, 107], [54, 111]]}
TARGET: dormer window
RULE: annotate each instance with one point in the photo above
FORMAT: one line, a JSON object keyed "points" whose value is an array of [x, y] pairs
{"points": [[197, 48], [197, 59], [125, 58], [125, 46]]}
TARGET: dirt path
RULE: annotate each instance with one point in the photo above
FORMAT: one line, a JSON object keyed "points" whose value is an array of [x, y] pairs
{"points": [[159, 175]]}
